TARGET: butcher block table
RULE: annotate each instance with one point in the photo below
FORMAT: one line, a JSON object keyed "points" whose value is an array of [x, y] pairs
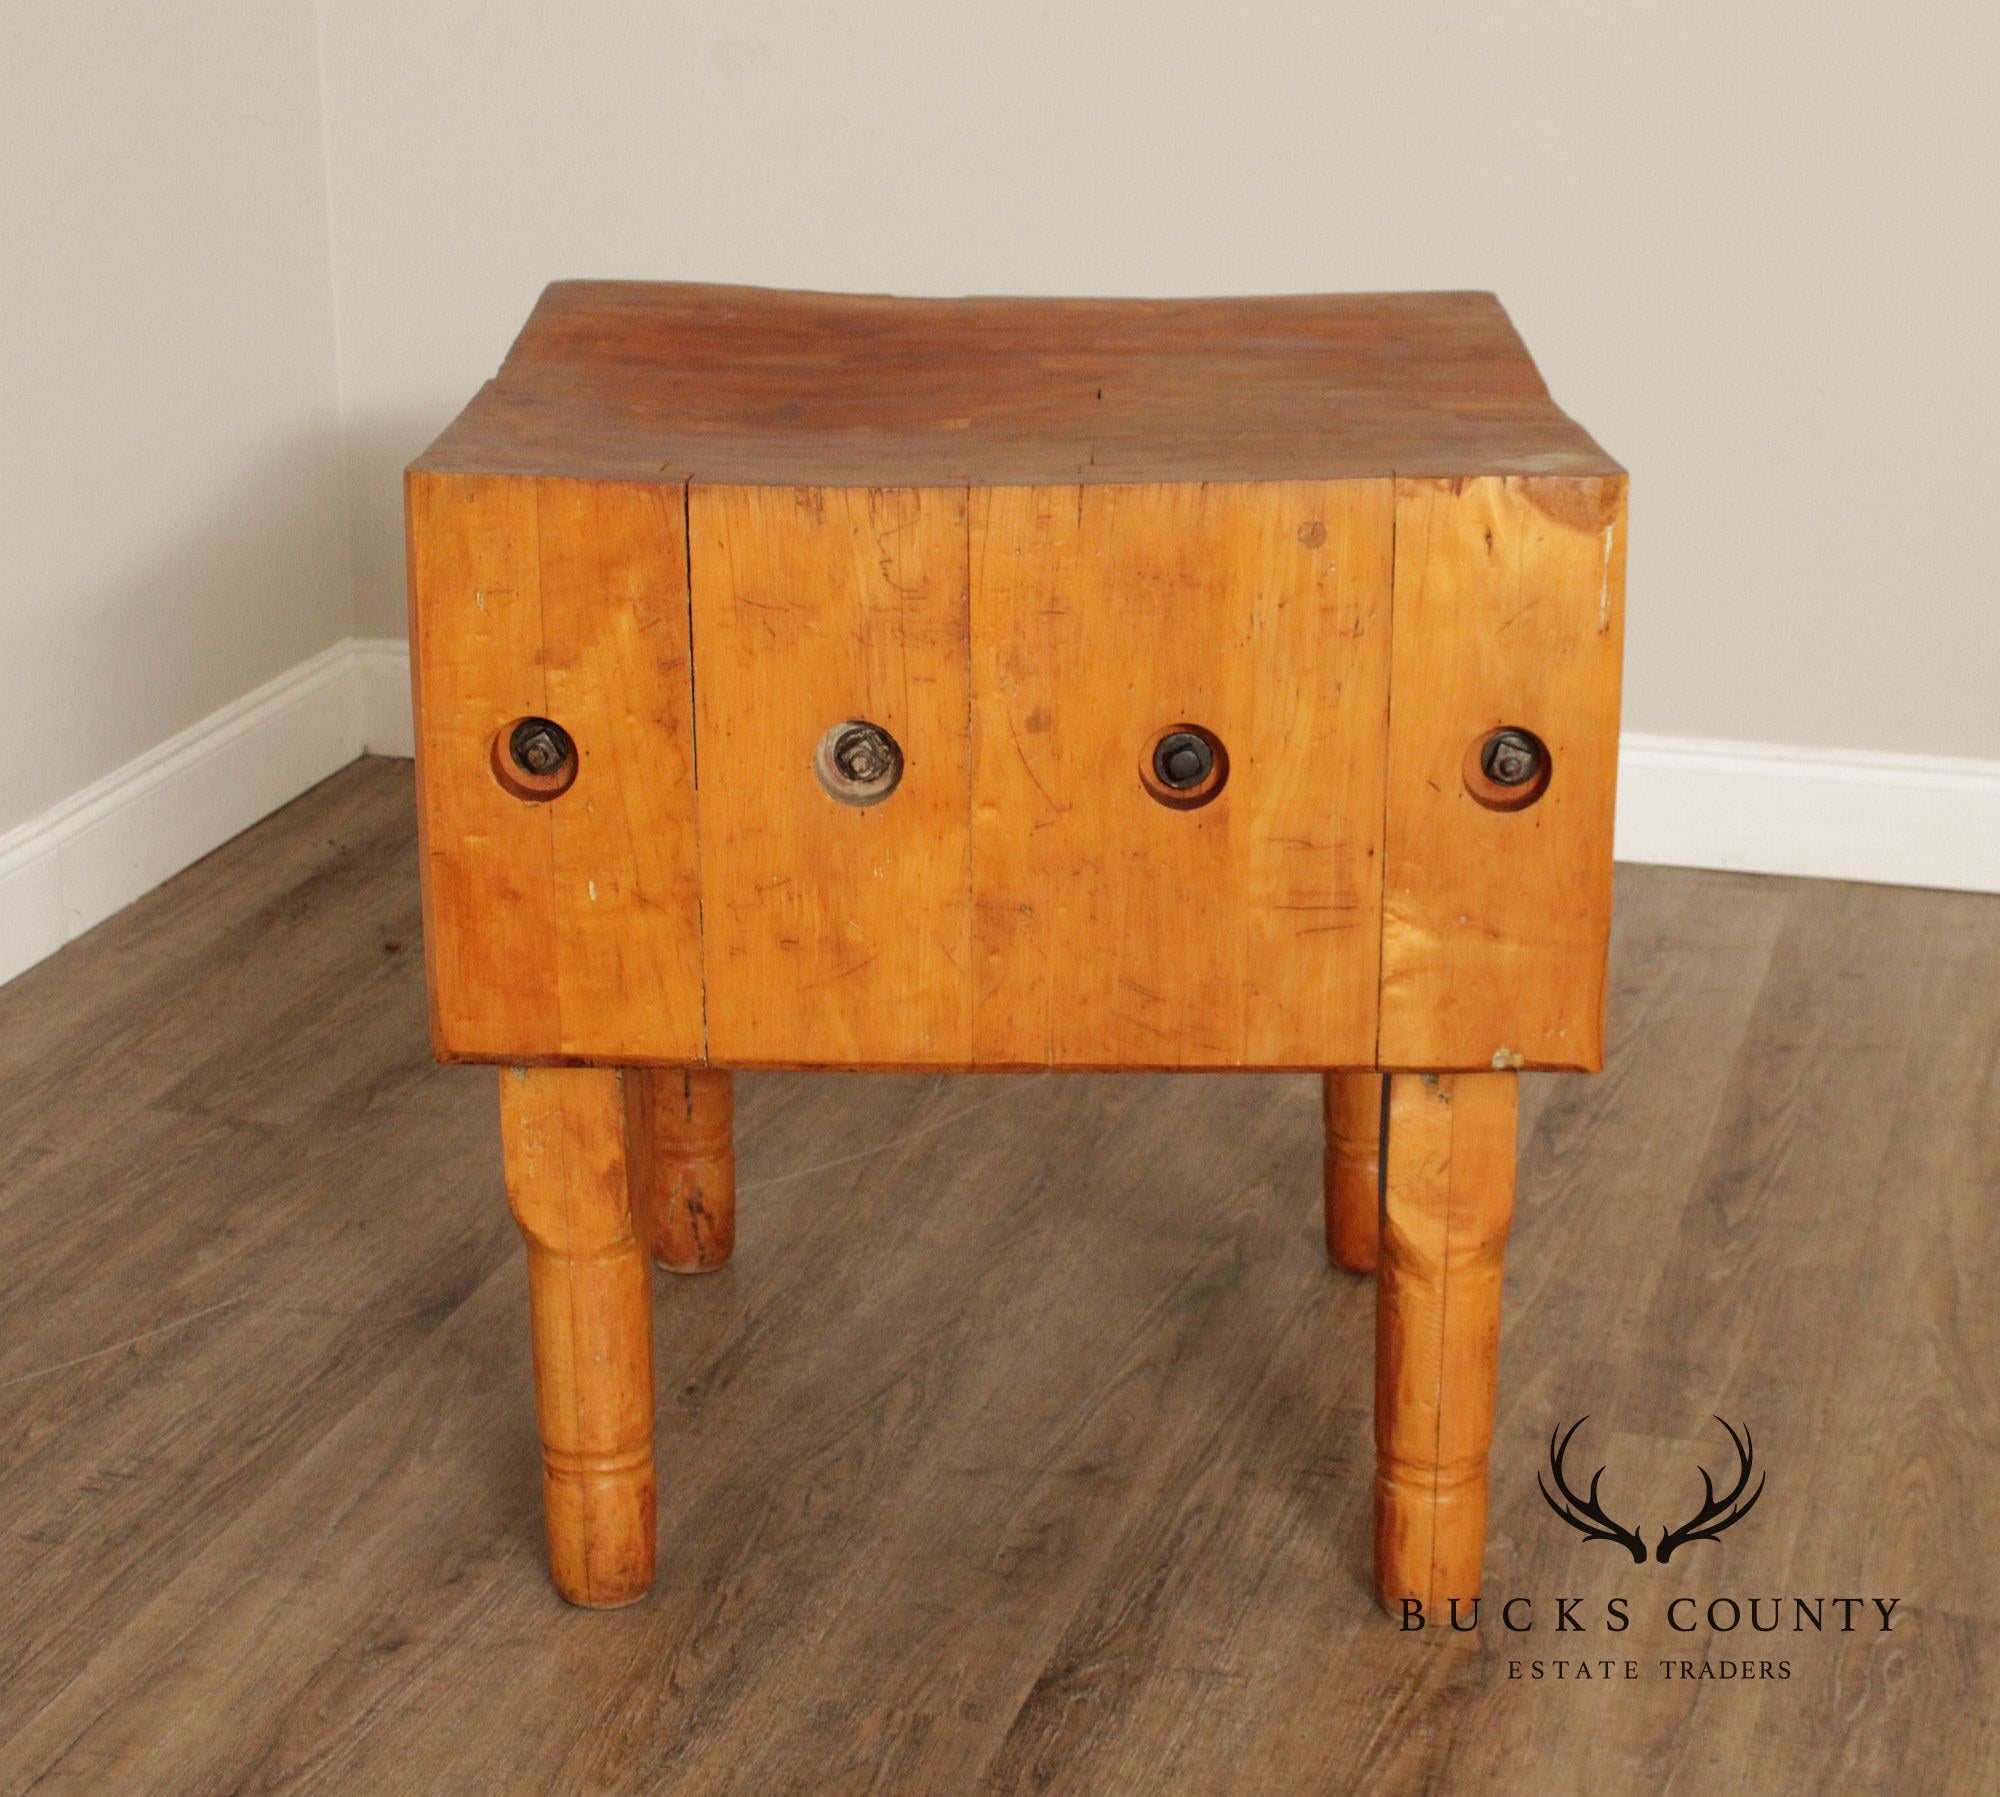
{"points": [[810, 680]]}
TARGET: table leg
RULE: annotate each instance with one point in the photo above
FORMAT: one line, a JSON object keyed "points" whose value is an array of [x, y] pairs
{"points": [[1447, 1201], [680, 1126], [590, 1308], [1353, 1169]]}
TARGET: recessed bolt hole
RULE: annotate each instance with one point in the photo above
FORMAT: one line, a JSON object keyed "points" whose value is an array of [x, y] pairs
{"points": [[1507, 769], [858, 763], [1184, 766], [539, 746], [534, 758], [1183, 761], [863, 754], [1511, 758]]}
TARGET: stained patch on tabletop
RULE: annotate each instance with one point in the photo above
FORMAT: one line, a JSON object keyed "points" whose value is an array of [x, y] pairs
{"points": [[1581, 505]]}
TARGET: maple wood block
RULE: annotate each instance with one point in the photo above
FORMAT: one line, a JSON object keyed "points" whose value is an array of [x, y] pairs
{"points": [[701, 527], [810, 680]]}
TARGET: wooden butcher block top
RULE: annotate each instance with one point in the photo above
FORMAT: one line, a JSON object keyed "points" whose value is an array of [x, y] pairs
{"points": [[671, 382]]}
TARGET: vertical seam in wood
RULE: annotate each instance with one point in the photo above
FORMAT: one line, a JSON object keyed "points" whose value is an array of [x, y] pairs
{"points": [[1388, 746], [694, 761]]}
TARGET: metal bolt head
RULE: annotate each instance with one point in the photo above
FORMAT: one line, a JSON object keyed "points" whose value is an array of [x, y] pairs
{"points": [[1511, 758], [863, 754], [539, 746], [858, 763], [1183, 761]]}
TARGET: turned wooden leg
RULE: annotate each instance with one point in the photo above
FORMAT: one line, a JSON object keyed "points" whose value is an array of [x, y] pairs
{"points": [[1353, 1169], [679, 1126], [590, 1305], [1447, 1201]]}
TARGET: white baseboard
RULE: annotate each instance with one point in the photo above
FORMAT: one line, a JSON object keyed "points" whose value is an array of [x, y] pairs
{"points": [[118, 838], [1841, 814], [1833, 814], [382, 672]]}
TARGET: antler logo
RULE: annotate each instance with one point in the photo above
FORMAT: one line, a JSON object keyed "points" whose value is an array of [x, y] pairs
{"points": [[1586, 1515], [1715, 1514]]}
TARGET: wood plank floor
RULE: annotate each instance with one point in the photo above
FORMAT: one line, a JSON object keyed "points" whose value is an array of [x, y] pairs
{"points": [[1025, 1445]]}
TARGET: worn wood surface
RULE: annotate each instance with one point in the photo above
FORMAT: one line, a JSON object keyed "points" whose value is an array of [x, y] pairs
{"points": [[833, 933], [1026, 538], [590, 1314], [1025, 1442], [570, 927], [1114, 930], [1447, 1202], [632, 380], [1509, 611]]}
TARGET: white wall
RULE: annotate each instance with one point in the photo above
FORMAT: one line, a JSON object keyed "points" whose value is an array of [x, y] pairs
{"points": [[169, 454], [1750, 243], [254, 253]]}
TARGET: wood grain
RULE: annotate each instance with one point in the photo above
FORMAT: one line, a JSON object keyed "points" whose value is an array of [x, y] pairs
{"points": [[1353, 1169], [1113, 930], [1039, 1401], [1021, 900], [570, 927], [832, 933], [633, 380], [680, 1137], [1447, 1200], [591, 1315], [1509, 608]]}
